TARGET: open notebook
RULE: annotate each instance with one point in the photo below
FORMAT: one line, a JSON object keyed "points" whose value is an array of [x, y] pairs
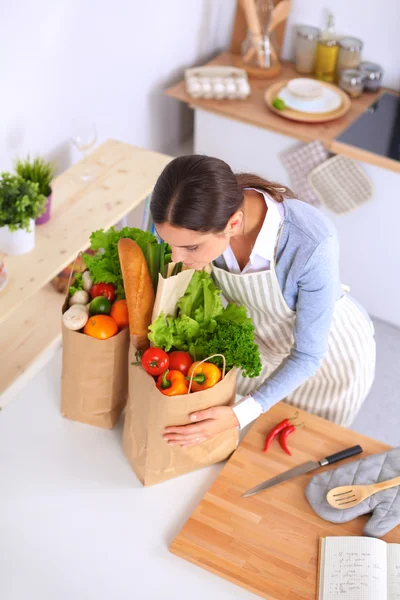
{"points": [[358, 568]]}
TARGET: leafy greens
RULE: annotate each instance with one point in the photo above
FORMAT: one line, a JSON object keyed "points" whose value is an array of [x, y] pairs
{"points": [[204, 327], [104, 266]]}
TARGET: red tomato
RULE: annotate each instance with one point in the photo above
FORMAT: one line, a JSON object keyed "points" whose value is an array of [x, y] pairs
{"points": [[180, 361], [103, 289], [155, 361]]}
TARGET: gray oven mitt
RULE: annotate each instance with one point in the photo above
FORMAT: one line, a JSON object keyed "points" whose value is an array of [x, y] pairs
{"points": [[384, 506]]}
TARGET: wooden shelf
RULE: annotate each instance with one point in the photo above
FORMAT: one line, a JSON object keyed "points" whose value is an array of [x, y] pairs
{"points": [[255, 112], [126, 175], [28, 333]]}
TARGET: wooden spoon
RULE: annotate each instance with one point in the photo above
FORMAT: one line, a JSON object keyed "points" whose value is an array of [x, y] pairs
{"points": [[347, 496], [250, 11], [279, 14]]}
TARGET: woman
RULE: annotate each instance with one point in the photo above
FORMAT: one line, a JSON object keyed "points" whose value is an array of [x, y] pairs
{"points": [[278, 257]]}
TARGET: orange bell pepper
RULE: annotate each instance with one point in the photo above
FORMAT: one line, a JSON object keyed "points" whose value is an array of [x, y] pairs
{"points": [[205, 375], [172, 383]]}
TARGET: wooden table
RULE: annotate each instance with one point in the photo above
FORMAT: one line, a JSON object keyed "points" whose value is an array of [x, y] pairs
{"points": [[268, 543], [254, 111], [29, 306]]}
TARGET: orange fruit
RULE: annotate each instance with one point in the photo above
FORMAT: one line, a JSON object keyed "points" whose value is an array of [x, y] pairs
{"points": [[119, 312], [101, 327]]}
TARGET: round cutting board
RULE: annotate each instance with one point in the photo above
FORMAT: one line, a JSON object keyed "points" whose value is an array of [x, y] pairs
{"points": [[287, 113]]}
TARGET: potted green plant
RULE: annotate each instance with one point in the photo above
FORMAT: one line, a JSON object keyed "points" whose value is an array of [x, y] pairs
{"points": [[41, 172], [20, 204]]}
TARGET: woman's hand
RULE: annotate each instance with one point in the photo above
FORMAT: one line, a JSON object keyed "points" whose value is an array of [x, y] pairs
{"points": [[206, 424]]}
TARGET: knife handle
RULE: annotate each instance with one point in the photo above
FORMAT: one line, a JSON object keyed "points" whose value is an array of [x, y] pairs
{"points": [[340, 455]]}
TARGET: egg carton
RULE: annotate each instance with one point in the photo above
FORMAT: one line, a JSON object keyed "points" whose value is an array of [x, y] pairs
{"points": [[217, 83]]}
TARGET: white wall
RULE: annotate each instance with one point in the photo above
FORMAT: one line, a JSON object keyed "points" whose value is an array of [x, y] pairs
{"points": [[110, 60], [377, 24]]}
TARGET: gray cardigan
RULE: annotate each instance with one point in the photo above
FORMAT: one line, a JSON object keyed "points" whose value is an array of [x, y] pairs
{"points": [[307, 268]]}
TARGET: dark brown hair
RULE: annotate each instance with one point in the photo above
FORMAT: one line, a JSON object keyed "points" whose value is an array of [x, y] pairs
{"points": [[201, 193]]}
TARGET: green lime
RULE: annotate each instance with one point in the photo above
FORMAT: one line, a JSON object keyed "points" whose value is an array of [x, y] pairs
{"points": [[100, 306], [279, 104]]}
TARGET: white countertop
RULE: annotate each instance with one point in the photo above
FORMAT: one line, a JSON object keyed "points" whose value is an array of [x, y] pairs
{"points": [[75, 522]]}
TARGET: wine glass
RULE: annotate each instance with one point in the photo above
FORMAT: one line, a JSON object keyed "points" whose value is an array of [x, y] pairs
{"points": [[84, 136]]}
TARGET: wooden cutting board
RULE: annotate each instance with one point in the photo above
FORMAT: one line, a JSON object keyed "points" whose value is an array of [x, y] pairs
{"points": [[268, 543]]}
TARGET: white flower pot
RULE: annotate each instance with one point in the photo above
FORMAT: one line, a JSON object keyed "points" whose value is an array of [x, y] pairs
{"points": [[19, 241]]}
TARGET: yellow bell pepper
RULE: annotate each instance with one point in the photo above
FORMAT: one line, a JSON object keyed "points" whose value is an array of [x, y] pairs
{"points": [[206, 375]]}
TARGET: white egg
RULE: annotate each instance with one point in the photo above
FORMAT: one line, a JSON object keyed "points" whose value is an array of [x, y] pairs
{"points": [[230, 89], [206, 88], [193, 87], [243, 89], [218, 88]]}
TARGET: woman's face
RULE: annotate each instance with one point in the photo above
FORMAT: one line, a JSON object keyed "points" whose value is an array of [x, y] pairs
{"points": [[195, 249]]}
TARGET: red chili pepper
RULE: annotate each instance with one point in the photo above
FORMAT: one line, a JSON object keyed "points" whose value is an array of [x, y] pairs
{"points": [[283, 437], [277, 429]]}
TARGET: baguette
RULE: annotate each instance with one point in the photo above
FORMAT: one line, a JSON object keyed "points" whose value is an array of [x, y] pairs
{"points": [[139, 291]]}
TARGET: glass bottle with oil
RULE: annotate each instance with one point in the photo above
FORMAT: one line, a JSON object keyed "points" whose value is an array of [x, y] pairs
{"points": [[327, 52]]}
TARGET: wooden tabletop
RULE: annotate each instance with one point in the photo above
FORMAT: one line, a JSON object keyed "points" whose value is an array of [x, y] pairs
{"points": [[30, 310], [268, 543], [254, 111], [126, 175]]}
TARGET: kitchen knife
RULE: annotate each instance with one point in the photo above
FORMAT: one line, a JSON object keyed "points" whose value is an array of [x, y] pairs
{"points": [[302, 469]]}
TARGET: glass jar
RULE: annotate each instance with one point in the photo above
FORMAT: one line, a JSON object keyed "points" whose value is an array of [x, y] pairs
{"points": [[306, 48], [373, 76], [352, 82], [349, 56]]}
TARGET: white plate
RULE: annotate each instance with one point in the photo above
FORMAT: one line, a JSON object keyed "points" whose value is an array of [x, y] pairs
{"points": [[328, 101], [3, 278]]}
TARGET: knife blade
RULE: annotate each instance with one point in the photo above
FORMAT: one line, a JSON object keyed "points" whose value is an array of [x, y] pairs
{"points": [[302, 469]]}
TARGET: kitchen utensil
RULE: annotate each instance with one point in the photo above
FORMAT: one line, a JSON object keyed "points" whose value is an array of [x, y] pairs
{"points": [[254, 26], [346, 496], [302, 469], [306, 48], [374, 74], [278, 15], [274, 90], [383, 509], [259, 50]]}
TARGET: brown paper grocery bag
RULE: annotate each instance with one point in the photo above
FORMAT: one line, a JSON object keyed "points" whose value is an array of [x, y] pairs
{"points": [[94, 380], [148, 412]]}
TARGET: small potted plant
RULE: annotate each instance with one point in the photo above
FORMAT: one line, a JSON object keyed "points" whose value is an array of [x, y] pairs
{"points": [[20, 204], [41, 172]]}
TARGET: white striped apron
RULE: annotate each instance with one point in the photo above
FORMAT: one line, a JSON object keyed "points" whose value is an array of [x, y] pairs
{"points": [[338, 389]]}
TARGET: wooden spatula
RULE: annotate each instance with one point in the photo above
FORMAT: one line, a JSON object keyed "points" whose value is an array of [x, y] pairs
{"points": [[347, 496]]}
